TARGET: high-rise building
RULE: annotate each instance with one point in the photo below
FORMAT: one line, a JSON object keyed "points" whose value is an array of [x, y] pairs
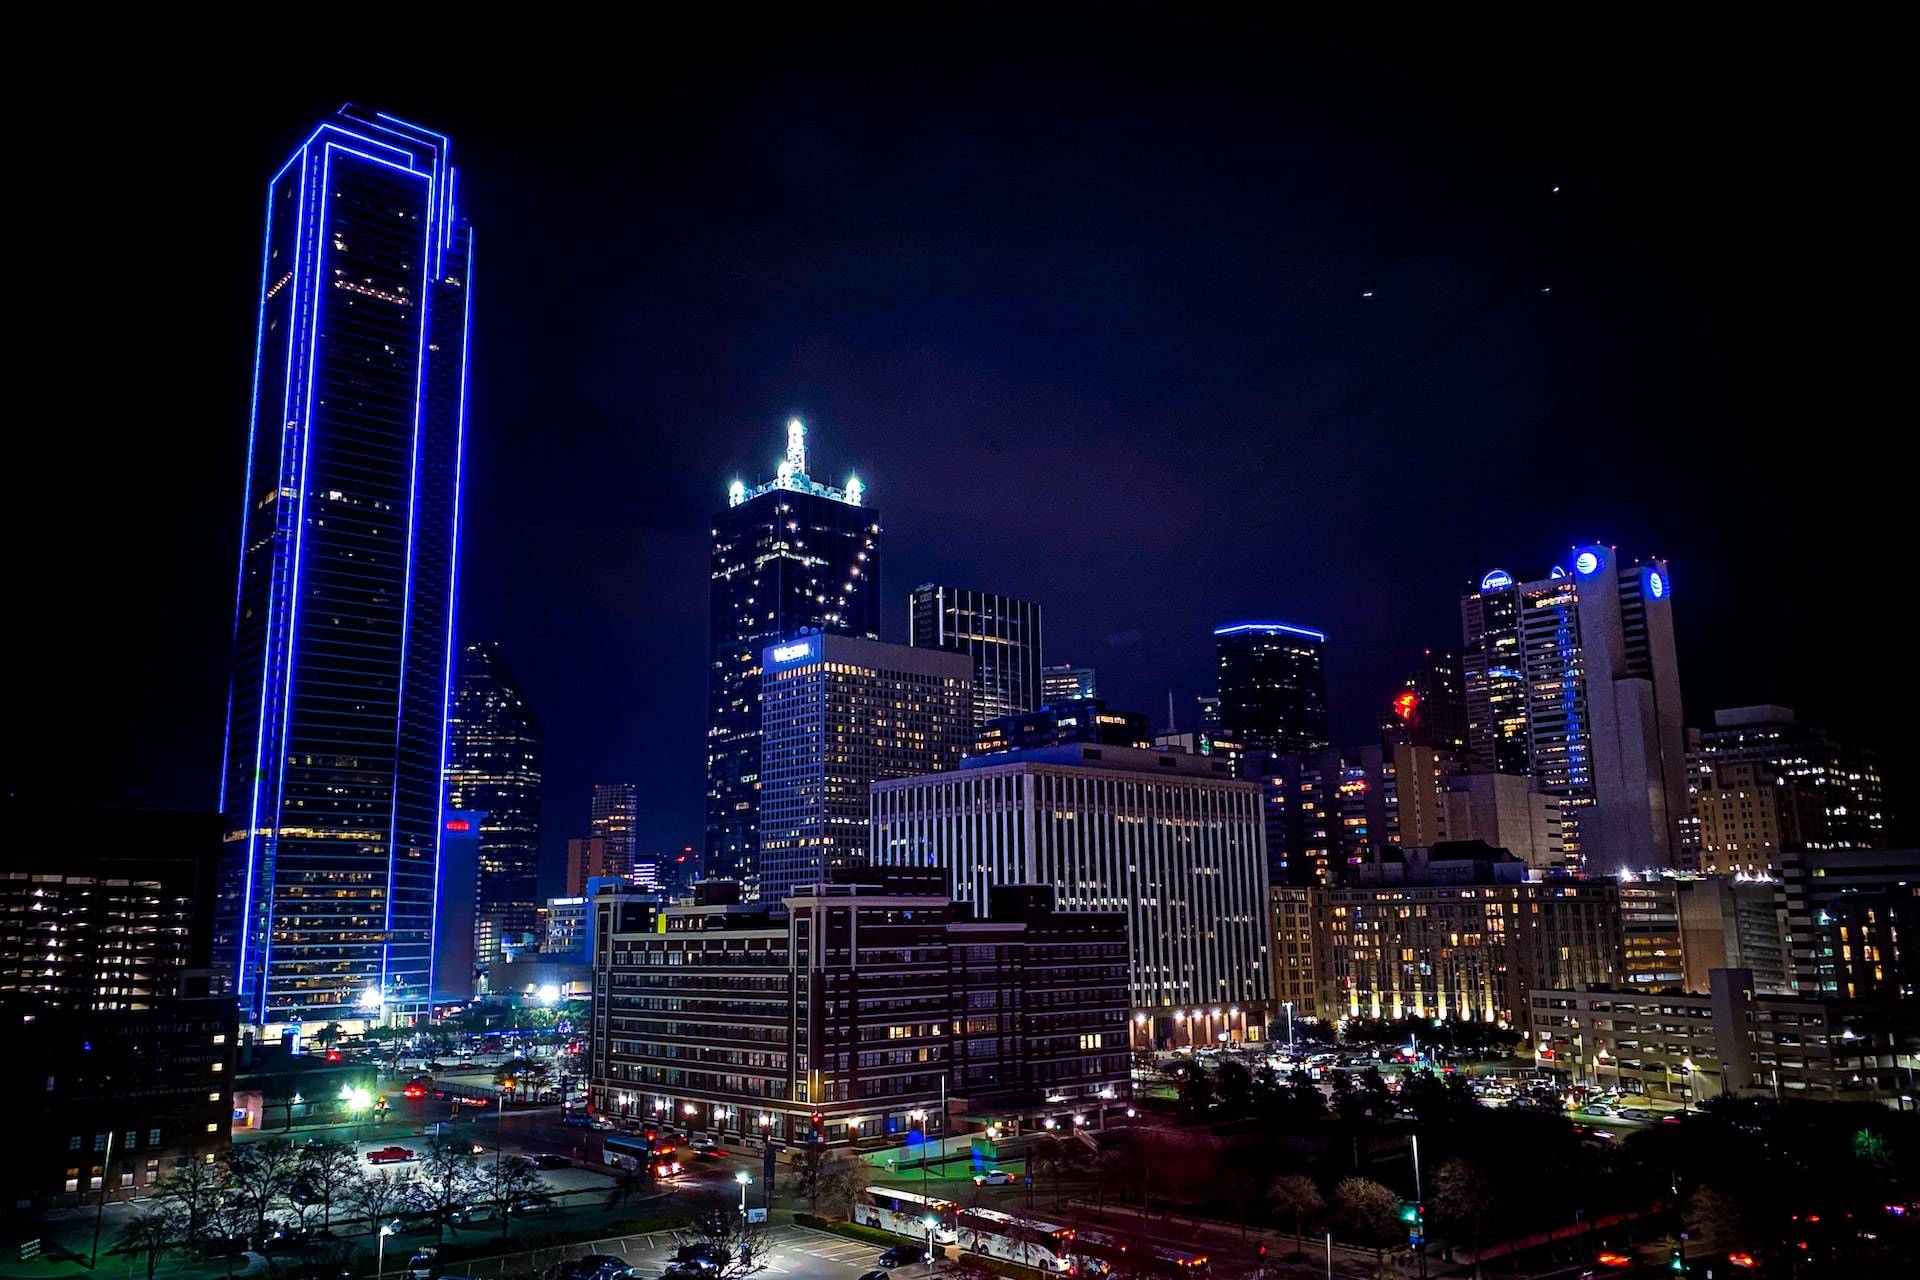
{"points": [[1830, 794], [1581, 667], [1636, 794], [456, 926], [587, 859], [106, 908], [493, 770], [1495, 683], [1273, 686], [1327, 812], [1430, 709], [788, 555], [838, 714], [1172, 840], [1067, 684], [999, 633], [614, 819], [342, 643], [1507, 812]]}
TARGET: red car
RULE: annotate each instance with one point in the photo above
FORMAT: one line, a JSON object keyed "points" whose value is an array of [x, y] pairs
{"points": [[389, 1155]]}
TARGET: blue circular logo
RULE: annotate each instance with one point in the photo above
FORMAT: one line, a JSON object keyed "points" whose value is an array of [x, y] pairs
{"points": [[1656, 584], [1586, 563]]}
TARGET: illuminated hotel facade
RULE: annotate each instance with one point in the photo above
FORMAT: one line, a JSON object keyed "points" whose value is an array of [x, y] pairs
{"points": [[1171, 841], [787, 556], [336, 720]]}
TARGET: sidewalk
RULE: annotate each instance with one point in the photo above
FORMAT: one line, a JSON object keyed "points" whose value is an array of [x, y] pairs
{"points": [[1224, 1242]]}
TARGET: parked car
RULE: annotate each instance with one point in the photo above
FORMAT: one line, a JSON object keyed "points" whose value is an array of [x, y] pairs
{"points": [[597, 1266], [390, 1155], [703, 1255], [684, 1271], [902, 1255], [423, 1265], [707, 1147], [993, 1178], [551, 1160], [579, 1119], [875, 1275], [1598, 1109]]}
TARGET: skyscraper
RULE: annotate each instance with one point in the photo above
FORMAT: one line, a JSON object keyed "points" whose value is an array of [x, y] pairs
{"points": [[1495, 685], [615, 819], [1580, 667], [999, 633], [493, 771], [838, 714], [336, 717], [1430, 709], [1067, 683], [1273, 688], [787, 555]]}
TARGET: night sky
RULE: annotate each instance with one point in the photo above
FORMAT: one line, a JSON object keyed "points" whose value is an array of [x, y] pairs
{"points": [[1091, 321]]}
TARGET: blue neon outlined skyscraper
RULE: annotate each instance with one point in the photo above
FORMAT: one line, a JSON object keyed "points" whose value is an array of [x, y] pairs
{"points": [[343, 621]]}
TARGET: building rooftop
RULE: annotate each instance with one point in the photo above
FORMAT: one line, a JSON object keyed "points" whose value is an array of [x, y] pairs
{"points": [[1086, 755]]}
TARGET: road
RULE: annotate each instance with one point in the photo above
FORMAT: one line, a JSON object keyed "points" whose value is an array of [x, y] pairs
{"points": [[793, 1251]]}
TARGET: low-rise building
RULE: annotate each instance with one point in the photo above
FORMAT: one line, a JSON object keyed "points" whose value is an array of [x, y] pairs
{"points": [[853, 1014], [1685, 1048]]}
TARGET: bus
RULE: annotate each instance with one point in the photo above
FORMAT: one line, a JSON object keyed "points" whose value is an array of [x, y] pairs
{"points": [[1047, 1246], [655, 1155], [905, 1213], [1098, 1253]]}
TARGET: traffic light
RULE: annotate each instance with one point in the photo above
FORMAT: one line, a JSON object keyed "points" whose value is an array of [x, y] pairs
{"points": [[819, 1127], [1678, 1264]]}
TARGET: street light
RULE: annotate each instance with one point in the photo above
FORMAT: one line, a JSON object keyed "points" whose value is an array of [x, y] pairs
{"points": [[386, 1229], [743, 1178], [919, 1117], [929, 1223]]}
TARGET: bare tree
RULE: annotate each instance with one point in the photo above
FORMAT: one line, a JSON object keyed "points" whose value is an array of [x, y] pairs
{"points": [[152, 1233], [261, 1174], [326, 1171], [445, 1182], [1368, 1211], [189, 1192], [377, 1194], [809, 1167], [513, 1186], [731, 1246]]}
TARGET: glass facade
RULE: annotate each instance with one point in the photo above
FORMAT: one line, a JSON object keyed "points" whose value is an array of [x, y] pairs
{"points": [[493, 766], [999, 633], [1273, 688], [787, 556], [336, 743]]}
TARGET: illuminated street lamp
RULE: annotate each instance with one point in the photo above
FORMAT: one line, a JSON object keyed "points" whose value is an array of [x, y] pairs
{"points": [[743, 1178], [386, 1229]]}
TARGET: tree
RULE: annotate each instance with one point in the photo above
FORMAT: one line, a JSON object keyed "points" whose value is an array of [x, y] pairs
{"points": [[1366, 1210], [261, 1175], [445, 1182], [327, 1036], [842, 1182], [377, 1194], [724, 1234], [1234, 1087], [189, 1192], [151, 1233], [514, 1186], [1196, 1092], [1464, 1197], [1056, 1157], [1296, 1196], [325, 1172], [809, 1169]]}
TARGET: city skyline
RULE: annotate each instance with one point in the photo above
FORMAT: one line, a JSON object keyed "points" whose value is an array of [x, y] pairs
{"points": [[595, 519]]}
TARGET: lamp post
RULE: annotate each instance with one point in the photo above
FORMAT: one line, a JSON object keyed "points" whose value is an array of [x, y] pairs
{"points": [[743, 1178], [929, 1222], [1288, 1006], [386, 1229], [919, 1117]]}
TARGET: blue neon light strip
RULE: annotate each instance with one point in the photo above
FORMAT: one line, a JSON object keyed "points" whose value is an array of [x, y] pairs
{"points": [[453, 605], [1286, 627], [427, 234]]}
